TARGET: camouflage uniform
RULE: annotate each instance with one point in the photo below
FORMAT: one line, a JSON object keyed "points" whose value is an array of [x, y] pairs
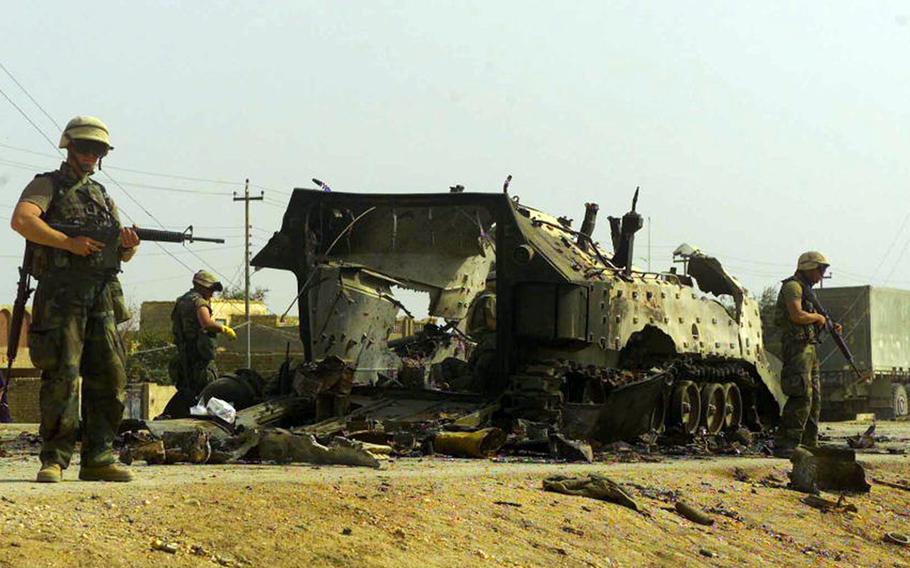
{"points": [[78, 303], [481, 327], [193, 367], [800, 373]]}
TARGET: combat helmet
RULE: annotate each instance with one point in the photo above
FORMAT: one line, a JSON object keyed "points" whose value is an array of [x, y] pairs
{"points": [[206, 279], [811, 260], [86, 128]]}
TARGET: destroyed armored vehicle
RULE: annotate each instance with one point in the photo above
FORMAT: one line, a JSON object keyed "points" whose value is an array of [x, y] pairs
{"points": [[582, 341]]}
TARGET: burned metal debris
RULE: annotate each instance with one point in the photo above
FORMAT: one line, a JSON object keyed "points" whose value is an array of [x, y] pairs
{"points": [[593, 486], [826, 468], [548, 344]]}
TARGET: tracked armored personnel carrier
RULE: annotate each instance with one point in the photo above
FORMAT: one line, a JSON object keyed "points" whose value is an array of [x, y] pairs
{"points": [[584, 341]]}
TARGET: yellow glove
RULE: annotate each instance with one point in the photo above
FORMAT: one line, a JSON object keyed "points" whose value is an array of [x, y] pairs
{"points": [[228, 331]]}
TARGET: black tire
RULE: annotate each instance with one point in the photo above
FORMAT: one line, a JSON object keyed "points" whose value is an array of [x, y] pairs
{"points": [[898, 401]]}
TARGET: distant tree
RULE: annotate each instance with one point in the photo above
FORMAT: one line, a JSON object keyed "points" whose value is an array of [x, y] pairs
{"points": [[236, 293], [147, 357]]}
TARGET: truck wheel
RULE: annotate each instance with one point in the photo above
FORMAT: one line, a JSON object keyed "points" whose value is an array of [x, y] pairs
{"points": [[899, 400]]}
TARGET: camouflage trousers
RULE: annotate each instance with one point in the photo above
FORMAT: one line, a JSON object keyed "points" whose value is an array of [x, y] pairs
{"points": [[800, 382], [190, 375], [73, 334]]}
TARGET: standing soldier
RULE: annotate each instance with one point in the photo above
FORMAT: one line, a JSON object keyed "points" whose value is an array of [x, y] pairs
{"points": [[796, 317], [193, 367], [77, 306], [481, 327]]}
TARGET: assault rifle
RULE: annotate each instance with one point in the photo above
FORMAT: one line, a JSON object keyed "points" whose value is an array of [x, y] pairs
{"points": [[108, 234], [831, 327]]}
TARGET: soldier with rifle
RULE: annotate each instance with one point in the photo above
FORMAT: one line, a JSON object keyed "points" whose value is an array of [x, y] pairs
{"points": [[802, 319], [74, 246]]}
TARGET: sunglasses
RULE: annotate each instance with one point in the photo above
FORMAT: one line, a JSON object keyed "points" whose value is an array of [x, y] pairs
{"points": [[92, 147]]}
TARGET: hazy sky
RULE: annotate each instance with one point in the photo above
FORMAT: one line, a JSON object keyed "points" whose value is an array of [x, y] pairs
{"points": [[756, 131]]}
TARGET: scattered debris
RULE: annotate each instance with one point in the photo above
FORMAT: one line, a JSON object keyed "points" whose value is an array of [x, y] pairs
{"points": [[507, 503], [863, 441], [773, 480], [826, 505], [739, 474], [217, 408], [693, 514], [897, 538], [164, 546], [901, 486], [665, 495], [724, 511], [826, 468], [282, 446], [149, 451], [706, 552], [479, 444], [570, 450], [594, 486]]}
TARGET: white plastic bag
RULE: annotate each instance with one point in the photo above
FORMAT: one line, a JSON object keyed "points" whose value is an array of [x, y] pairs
{"points": [[221, 409], [199, 409]]}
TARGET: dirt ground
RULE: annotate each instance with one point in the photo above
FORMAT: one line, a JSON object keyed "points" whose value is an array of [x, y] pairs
{"points": [[442, 512]]}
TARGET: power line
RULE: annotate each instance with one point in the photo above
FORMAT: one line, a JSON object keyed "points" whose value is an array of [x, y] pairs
{"points": [[891, 246], [26, 117], [43, 135], [132, 170], [108, 176], [175, 189], [27, 94]]}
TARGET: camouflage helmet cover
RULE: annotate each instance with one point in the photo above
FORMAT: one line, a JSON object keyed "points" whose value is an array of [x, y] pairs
{"points": [[85, 128], [811, 260], [206, 279]]}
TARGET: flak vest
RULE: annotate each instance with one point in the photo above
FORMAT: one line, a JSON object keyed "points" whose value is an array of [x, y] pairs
{"points": [[190, 338], [791, 331], [82, 202]]}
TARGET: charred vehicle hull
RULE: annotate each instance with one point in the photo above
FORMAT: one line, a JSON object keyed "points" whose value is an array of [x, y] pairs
{"points": [[583, 342]]}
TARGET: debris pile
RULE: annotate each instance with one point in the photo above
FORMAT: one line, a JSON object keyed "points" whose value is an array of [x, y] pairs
{"points": [[825, 468]]}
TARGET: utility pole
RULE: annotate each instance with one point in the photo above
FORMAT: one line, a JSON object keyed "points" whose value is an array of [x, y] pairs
{"points": [[649, 243], [246, 263]]}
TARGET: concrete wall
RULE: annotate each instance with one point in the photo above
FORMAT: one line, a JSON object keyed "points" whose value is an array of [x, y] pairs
{"points": [[155, 317], [23, 399], [145, 401]]}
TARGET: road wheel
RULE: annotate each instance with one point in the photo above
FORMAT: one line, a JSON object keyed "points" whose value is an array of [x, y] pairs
{"points": [[733, 406], [685, 407], [899, 400], [713, 406]]}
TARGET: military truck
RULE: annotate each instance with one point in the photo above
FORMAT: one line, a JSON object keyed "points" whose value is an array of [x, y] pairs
{"points": [[584, 341], [877, 330]]}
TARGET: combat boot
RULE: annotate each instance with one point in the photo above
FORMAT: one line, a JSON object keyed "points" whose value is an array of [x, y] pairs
{"points": [[109, 472], [50, 473]]}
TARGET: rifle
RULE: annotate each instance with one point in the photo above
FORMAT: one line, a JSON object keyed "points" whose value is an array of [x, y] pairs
{"points": [[109, 234], [836, 335], [23, 292]]}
